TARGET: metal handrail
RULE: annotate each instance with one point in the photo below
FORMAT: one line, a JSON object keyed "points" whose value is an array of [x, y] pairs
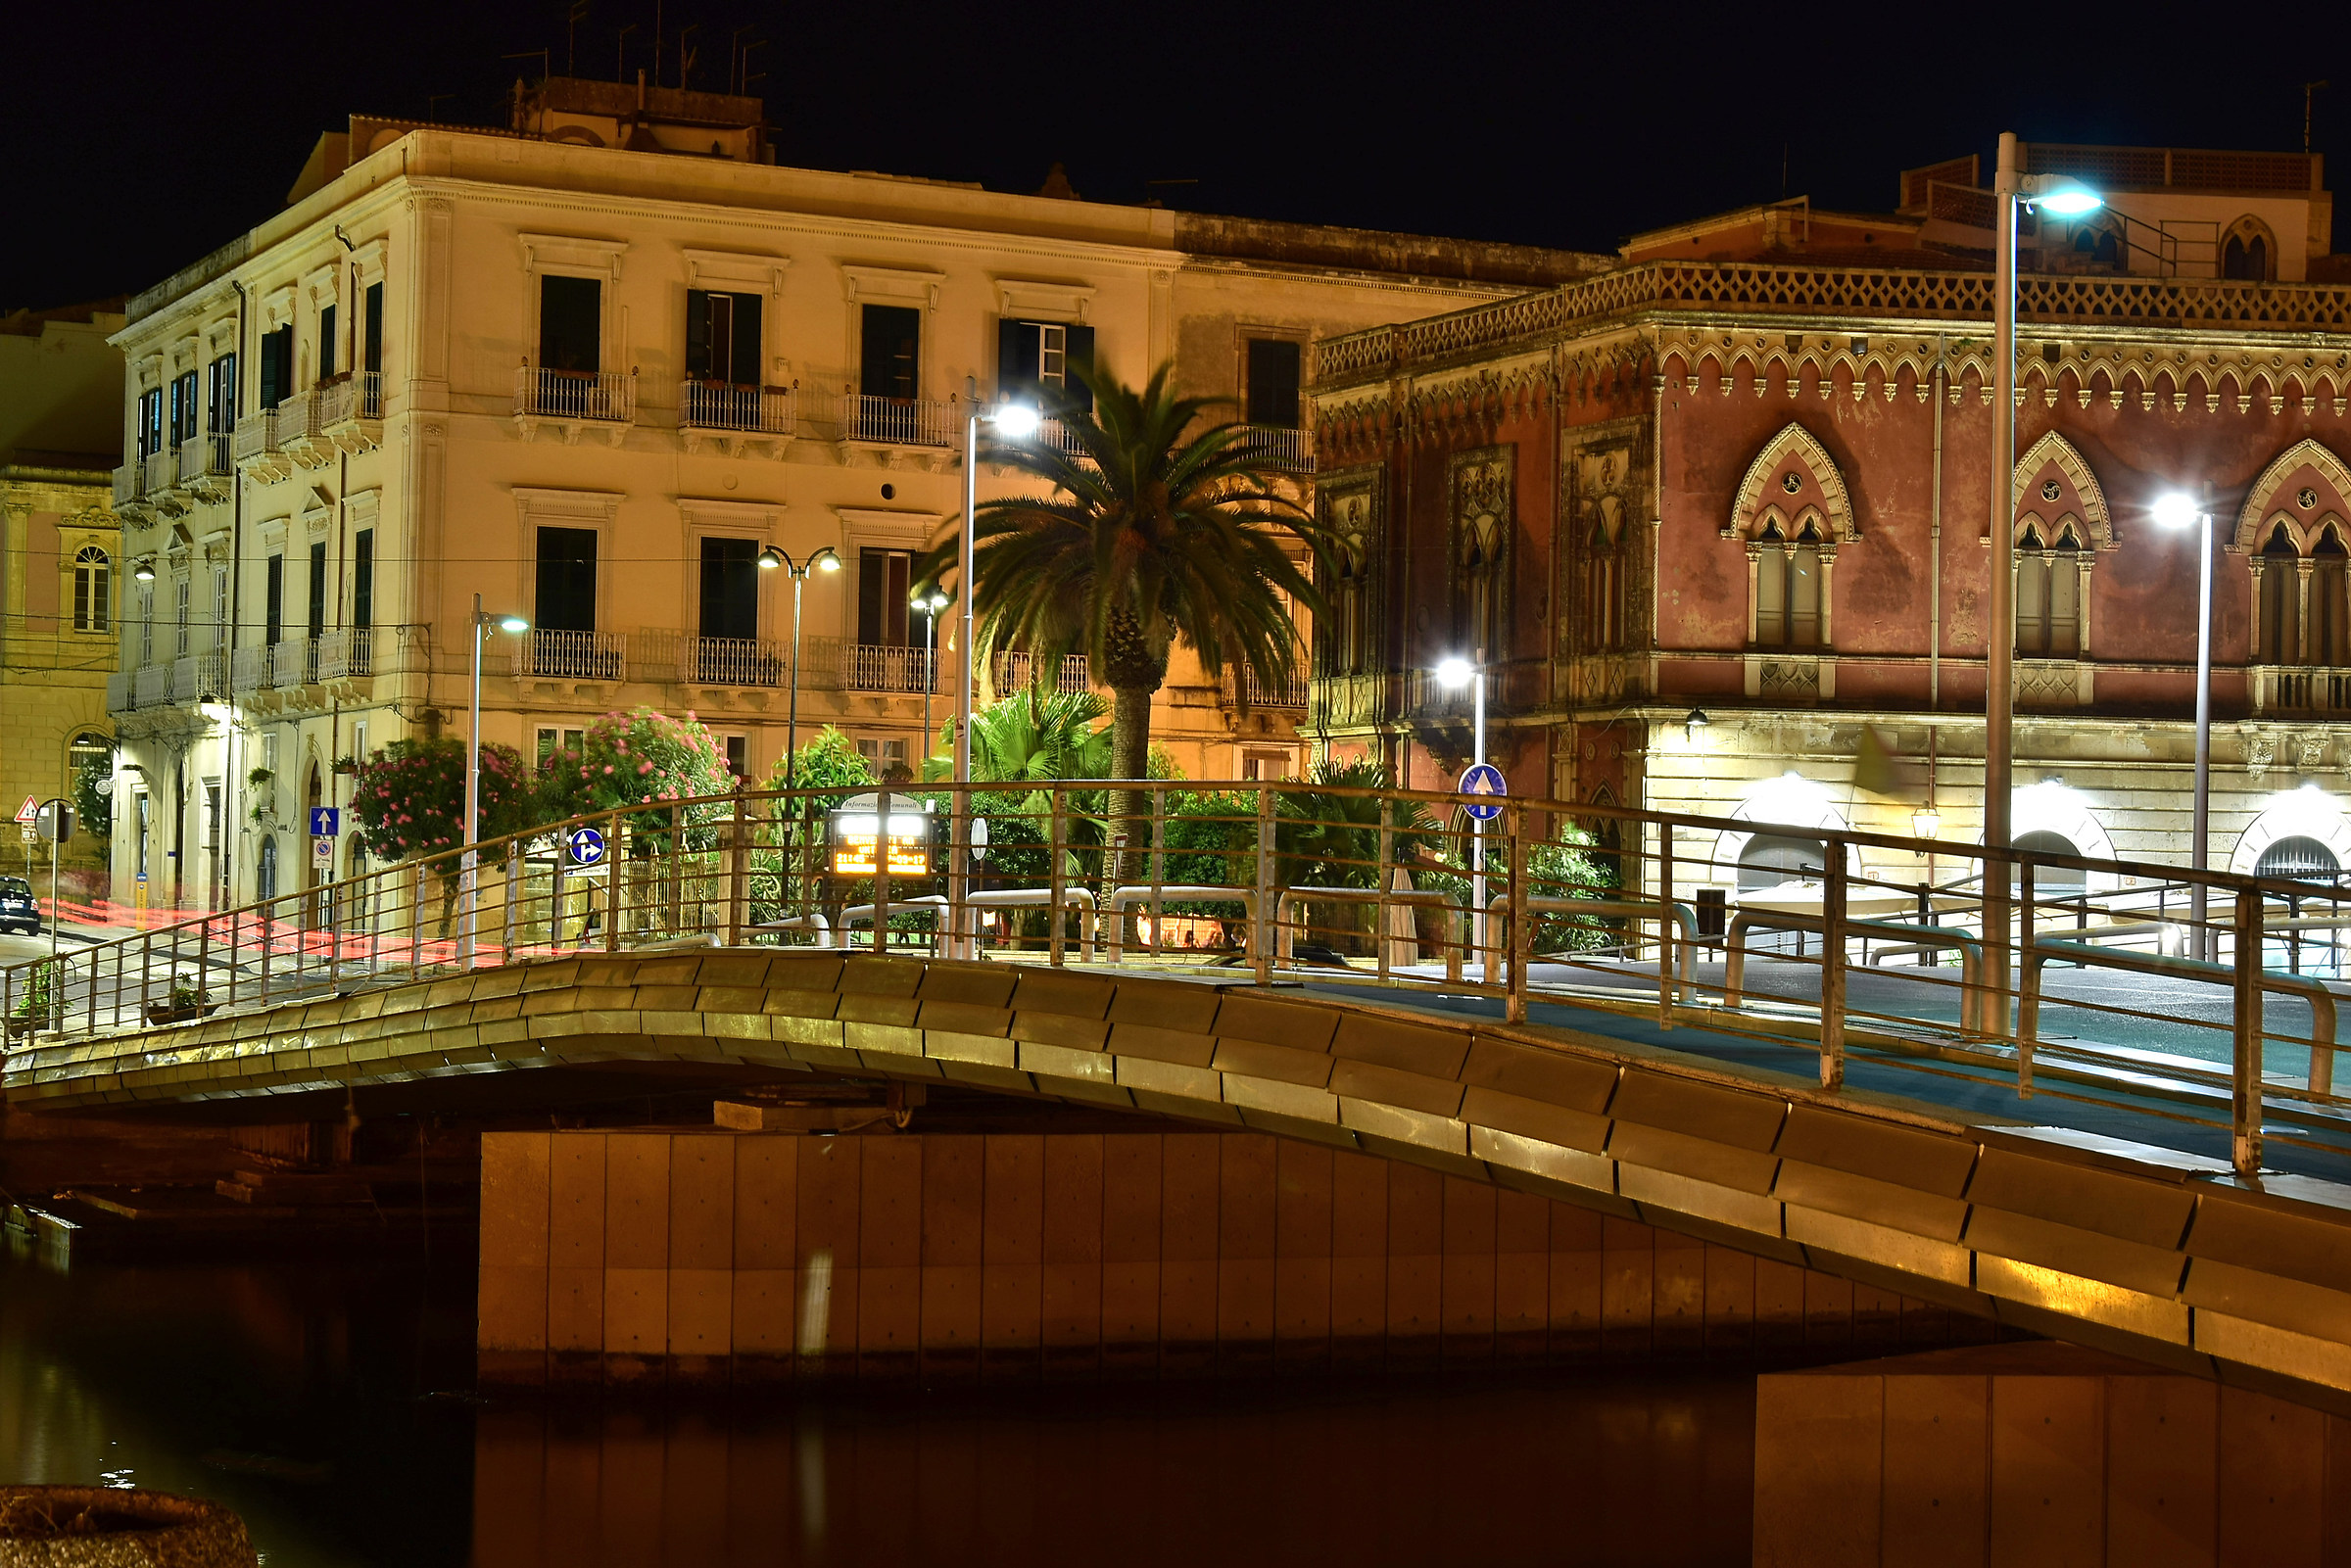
{"points": [[755, 865]]}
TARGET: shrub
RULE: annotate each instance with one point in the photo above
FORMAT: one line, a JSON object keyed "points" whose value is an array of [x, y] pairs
{"points": [[407, 799], [640, 758]]}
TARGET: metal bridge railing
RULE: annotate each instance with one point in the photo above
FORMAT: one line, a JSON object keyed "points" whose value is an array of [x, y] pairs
{"points": [[2172, 997]]}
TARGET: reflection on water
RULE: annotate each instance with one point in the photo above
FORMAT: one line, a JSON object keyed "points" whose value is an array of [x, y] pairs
{"points": [[290, 1393]]}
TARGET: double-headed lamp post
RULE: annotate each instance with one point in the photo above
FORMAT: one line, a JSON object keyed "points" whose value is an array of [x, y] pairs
{"points": [[2013, 191], [1454, 673], [2178, 510], [1013, 421], [929, 604], [468, 873], [825, 559]]}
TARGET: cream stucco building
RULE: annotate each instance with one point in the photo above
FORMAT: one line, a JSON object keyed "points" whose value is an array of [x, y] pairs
{"points": [[588, 367], [61, 389]]}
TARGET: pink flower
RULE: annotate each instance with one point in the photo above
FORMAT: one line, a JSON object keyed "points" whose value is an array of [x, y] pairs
{"points": [[644, 768], [607, 767]]}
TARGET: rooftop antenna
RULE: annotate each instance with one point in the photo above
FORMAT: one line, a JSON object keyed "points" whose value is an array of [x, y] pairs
{"points": [[735, 58], [620, 54], [545, 57], [749, 74], [656, 43], [685, 54], [2310, 90], [571, 36]]}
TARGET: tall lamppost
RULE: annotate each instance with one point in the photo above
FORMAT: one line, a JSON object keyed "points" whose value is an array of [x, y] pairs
{"points": [[825, 559], [1013, 421], [2177, 510], [471, 836], [2012, 190], [1455, 674], [929, 604]]}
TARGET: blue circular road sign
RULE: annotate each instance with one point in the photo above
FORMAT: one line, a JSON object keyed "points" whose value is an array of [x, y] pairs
{"points": [[586, 846], [1483, 779]]}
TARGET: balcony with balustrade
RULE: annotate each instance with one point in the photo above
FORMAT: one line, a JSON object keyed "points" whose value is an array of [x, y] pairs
{"points": [[151, 687], [162, 483], [199, 677], [350, 411], [131, 492], [2289, 689], [301, 431], [1262, 695], [207, 472], [1284, 449], [571, 404], [255, 449], [1015, 670], [669, 656], [736, 419], [120, 688], [895, 432], [571, 660], [877, 667]]}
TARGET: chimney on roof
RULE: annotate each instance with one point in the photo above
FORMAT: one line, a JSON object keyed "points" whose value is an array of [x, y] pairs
{"points": [[1057, 185]]}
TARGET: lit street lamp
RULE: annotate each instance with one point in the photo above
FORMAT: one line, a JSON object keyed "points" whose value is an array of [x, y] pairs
{"points": [[1454, 673], [1014, 421], [2012, 190], [2177, 510], [824, 560], [929, 604], [472, 830]]}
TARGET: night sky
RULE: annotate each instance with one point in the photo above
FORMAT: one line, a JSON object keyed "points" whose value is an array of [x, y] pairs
{"points": [[134, 138]]}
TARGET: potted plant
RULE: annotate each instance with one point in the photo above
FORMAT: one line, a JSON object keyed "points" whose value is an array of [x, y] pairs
{"points": [[31, 1011], [189, 1001]]}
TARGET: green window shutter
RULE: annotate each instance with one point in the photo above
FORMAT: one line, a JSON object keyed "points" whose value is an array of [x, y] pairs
{"points": [[1017, 347], [698, 335], [743, 363], [1080, 399]]}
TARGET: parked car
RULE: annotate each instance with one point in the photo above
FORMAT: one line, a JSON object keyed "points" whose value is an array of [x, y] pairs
{"points": [[17, 910]]}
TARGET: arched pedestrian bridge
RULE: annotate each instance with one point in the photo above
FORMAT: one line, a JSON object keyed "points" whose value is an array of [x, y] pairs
{"points": [[1805, 1112]]}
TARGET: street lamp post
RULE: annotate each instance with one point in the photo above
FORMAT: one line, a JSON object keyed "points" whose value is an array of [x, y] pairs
{"points": [[2176, 510], [825, 559], [929, 604], [1013, 420], [471, 834], [2012, 190], [1455, 674]]}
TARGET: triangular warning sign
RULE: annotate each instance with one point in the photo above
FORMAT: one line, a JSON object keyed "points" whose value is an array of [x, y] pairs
{"points": [[31, 811]]}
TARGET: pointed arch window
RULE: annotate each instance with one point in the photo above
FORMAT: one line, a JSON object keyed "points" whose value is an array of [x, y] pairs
{"points": [[1601, 622], [2279, 639], [1482, 561], [93, 590], [2048, 592], [2327, 636], [1788, 582]]}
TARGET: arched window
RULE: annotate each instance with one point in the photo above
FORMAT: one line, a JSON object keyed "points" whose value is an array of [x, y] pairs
{"points": [[93, 590], [2054, 882], [1482, 560], [1771, 859], [2298, 859], [2278, 635], [1602, 629], [1788, 583], [2327, 636], [2048, 594], [2246, 254]]}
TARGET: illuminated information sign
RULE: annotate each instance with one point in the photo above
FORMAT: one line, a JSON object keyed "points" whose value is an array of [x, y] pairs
{"points": [[854, 834]]}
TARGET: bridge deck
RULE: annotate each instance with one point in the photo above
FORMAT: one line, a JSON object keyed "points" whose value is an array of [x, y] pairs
{"points": [[1939, 1184]]}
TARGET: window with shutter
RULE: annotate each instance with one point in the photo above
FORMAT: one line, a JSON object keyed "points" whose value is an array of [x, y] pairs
{"points": [[571, 323], [362, 578], [889, 348], [329, 333], [371, 329], [277, 366], [722, 338], [731, 589], [1035, 362], [220, 399], [883, 581], [151, 421], [1273, 377], [566, 599], [317, 588], [274, 602]]}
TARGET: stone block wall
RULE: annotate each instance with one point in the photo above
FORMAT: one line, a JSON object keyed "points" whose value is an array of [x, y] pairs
{"points": [[717, 1254]]}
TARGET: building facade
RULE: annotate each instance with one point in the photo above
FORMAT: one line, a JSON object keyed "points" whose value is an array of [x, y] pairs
{"points": [[61, 392], [1720, 521], [588, 367]]}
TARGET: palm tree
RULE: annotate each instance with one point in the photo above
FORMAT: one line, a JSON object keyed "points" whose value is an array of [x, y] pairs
{"points": [[1160, 527], [1035, 738]]}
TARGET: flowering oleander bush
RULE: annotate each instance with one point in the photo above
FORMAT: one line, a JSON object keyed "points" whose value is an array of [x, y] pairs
{"points": [[640, 758], [407, 799]]}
